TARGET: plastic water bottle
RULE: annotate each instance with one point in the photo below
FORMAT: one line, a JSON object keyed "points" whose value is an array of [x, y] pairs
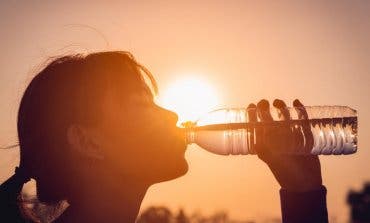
{"points": [[233, 130]]}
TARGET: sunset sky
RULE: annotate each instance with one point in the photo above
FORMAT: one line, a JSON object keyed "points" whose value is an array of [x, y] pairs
{"points": [[318, 51]]}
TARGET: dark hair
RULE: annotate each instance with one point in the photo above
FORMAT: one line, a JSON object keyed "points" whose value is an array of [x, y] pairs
{"points": [[68, 90]]}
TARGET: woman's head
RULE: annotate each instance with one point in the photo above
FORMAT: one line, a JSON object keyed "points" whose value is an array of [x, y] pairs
{"points": [[86, 113]]}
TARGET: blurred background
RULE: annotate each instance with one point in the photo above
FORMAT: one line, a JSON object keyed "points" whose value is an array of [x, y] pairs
{"points": [[317, 51]]}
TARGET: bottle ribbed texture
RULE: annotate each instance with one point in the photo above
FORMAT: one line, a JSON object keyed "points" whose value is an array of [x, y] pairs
{"points": [[231, 131]]}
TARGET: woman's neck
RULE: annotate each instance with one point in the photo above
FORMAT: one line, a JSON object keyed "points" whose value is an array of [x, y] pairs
{"points": [[111, 200]]}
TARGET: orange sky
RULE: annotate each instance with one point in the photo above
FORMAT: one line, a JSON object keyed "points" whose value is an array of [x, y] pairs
{"points": [[318, 52]]}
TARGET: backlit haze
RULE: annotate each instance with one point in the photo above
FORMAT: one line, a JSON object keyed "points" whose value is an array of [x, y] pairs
{"points": [[222, 54], [189, 97]]}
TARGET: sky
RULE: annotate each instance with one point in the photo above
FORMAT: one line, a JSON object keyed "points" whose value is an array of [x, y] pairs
{"points": [[317, 51]]}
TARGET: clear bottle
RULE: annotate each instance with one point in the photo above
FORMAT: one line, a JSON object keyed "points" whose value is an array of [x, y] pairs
{"points": [[230, 131]]}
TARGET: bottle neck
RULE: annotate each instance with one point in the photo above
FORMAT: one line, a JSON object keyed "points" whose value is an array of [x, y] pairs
{"points": [[189, 132], [189, 136]]}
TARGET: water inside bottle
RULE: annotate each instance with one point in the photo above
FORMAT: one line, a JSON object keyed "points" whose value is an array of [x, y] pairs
{"points": [[331, 135]]}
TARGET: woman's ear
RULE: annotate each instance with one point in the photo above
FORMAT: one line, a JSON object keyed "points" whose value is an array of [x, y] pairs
{"points": [[84, 141]]}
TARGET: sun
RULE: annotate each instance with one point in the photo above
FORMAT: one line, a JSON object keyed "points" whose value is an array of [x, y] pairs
{"points": [[189, 98]]}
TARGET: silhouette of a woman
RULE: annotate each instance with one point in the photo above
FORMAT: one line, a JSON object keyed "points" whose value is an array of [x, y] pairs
{"points": [[90, 133]]}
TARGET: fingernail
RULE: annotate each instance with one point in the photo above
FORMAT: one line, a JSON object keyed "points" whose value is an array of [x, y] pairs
{"points": [[251, 106], [279, 103], [297, 103], [263, 104]]}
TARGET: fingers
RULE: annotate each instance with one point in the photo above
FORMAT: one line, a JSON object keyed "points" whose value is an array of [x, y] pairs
{"points": [[255, 133], [283, 112], [293, 137], [301, 111], [252, 113], [263, 110], [252, 117], [306, 128], [262, 132]]}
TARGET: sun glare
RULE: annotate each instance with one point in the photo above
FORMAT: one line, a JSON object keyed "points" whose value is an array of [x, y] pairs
{"points": [[189, 98]]}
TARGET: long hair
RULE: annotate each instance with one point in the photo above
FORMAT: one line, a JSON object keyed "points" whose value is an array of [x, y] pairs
{"points": [[68, 90]]}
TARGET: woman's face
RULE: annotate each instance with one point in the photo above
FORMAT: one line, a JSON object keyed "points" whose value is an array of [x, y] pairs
{"points": [[141, 139]]}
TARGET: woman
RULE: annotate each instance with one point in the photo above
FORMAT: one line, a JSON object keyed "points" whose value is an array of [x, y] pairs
{"points": [[90, 133]]}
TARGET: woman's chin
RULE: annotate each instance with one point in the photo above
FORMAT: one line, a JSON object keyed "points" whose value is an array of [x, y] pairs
{"points": [[178, 170]]}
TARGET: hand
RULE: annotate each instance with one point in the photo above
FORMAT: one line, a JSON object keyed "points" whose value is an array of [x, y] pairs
{"points": [[293, 172]]}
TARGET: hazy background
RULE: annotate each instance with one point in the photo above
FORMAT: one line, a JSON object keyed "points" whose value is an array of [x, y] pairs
{"points": [[316, 51]]}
